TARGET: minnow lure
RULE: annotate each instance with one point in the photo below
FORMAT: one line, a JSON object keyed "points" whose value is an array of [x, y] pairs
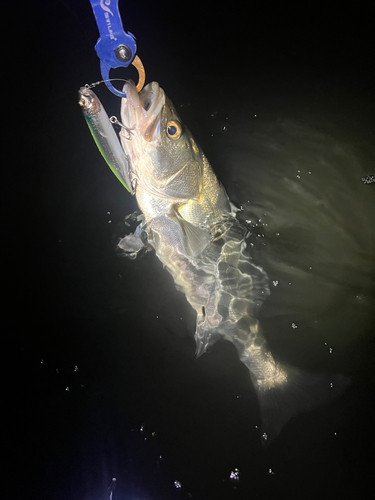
{"points": [[105, 136]]}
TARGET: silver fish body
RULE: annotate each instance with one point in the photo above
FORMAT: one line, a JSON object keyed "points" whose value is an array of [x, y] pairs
{"points": [[192, 226]]}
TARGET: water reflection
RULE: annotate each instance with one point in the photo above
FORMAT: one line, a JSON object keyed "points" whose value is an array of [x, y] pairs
{"points": [[319, 249]]}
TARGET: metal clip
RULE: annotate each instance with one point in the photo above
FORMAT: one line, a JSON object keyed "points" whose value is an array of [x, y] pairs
{"points": [[115, 47]]}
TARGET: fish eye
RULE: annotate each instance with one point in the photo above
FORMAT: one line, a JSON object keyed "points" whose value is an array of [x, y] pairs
{"points": [[174, 130]]}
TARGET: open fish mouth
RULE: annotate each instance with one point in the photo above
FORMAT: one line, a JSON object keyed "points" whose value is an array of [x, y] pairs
{"points": [[142, 112]]}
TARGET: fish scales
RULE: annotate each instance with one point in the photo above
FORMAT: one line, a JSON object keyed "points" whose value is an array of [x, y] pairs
{"points": [[192, 226]]}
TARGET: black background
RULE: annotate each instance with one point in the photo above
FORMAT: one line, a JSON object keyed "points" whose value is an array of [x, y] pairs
{"points": [[70, 301]]}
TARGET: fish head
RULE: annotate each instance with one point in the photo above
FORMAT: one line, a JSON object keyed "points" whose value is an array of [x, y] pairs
{"points": [[89, 102], [165, 159]]}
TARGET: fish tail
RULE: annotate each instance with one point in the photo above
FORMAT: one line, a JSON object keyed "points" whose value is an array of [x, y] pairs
{"points": [[301, 393]]}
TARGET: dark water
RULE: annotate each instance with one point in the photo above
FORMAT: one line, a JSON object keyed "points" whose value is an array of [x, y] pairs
{"points": [[102, 374]]}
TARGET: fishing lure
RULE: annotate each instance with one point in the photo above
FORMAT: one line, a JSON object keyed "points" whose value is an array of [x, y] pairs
{"points": [[105, 136]]}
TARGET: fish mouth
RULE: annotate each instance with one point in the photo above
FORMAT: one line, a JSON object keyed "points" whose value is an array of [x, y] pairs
{"points": [[141, 113]]}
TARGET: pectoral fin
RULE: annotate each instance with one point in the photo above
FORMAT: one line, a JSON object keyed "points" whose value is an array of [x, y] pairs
{"points": [[196, 238], [133, 243]]}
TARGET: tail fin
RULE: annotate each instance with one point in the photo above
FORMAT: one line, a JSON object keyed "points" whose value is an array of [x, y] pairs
{"points": [[300, 394]]}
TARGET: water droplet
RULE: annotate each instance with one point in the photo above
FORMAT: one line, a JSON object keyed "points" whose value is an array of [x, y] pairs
{"points": [[275, 283], [294, 325], [177, 484], [270, 471], [235, 475]]}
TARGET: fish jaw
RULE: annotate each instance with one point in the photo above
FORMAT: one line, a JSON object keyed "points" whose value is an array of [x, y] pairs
{"points": [[141, 112], [141, 115]]}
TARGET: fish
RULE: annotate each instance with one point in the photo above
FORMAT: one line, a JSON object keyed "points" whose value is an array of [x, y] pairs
{"points": [[194, 229]]}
